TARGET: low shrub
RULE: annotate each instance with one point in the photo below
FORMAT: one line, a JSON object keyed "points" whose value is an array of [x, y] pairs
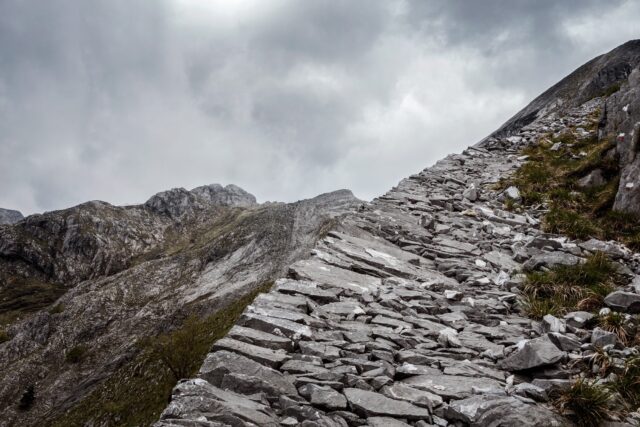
{"points": [[585, 402], [565, 288], [627, 383]]}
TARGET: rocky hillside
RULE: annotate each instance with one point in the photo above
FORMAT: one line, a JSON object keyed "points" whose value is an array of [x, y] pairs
{"points": [[499, 287], [82, 288], [8, 216]]}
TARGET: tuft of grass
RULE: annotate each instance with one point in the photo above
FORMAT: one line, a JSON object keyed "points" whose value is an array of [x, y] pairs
{"points": [[601, 362], [21, 296], [565, 288], [537, 307], [617, 323], [611, 90], [137, 392], [568, 222], [627, 384], [585, 402]]}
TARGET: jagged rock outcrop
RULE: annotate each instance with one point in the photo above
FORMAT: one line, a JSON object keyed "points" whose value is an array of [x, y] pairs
{"points": [[231, 195], [9, 216], [615, 74], [99, 277], [595, 78]]}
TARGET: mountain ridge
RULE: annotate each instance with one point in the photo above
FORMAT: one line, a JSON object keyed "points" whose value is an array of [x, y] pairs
{"points": [[402, 311]]}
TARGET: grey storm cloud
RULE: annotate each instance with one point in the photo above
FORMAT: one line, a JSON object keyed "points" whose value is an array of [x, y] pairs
{"points": [[119, 99]]}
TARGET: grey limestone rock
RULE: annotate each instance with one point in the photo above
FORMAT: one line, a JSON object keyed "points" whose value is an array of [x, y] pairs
{"points": [[265, 356], [9, 216], [627, 302], [374, 404], [601, 338], [550, 259], [531, 354], [592, 179], [486, 411], [230, 195], [220, 364], [578, 319], [450, 386], [198, 396]]}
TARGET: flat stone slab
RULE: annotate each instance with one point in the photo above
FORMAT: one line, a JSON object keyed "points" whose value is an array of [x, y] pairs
{"points": [[451, 386], [276, 326], [342, 308], [466, 368], [385, 422], [502, 261], [417, 397], [315, 270], [306, 288], [627, 302], [195, 397], [369, 403], [504, 411], [551, 259], [265, 356], [260, 338], [533, 354], [220, 364]]}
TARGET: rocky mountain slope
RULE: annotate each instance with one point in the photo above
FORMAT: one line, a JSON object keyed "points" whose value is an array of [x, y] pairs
{"points": [[8, 216], [448, 301], [80, 288]]}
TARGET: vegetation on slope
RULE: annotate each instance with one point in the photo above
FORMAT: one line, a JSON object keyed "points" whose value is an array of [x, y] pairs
{"points": [[550, 180], [138, 392], [566, 288], [551, 175]]}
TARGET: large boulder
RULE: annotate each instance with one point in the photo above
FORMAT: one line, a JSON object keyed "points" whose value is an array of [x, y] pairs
{"points": [[551, 259], [192, 398], [220, 366], [533, 354], [627, 302], [485, 411]]}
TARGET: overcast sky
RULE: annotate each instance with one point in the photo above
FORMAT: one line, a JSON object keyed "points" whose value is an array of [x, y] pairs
{"points": [[119, 99]]}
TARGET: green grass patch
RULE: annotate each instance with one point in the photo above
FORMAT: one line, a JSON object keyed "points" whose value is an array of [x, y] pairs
{"points": [[627, 383], [551, 178], [586, 402], [136, 394], [617, 323], [566, 288], [21, 296]]}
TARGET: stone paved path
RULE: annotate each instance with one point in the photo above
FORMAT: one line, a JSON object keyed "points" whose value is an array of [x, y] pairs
{"points": [[403, 315]]}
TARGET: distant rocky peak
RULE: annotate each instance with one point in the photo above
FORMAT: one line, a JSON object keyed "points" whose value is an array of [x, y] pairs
{"points": [[9, 216], [178, 201], [231, 195], [600, 77], [175, 202]]}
